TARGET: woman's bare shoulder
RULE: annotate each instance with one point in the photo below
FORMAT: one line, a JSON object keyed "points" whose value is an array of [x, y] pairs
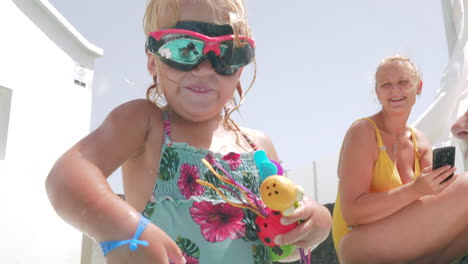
{"points": [[360, 131], [357, 156], [359, 145]]}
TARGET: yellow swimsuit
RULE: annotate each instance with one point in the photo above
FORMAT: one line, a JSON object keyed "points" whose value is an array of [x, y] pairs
{"points": [[385, 177]]}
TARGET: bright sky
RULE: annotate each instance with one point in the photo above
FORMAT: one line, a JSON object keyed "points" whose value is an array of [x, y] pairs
{"points": [[315, 62]]}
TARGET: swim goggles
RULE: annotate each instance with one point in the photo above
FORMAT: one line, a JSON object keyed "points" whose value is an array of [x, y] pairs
{"points": [[185, 49]]}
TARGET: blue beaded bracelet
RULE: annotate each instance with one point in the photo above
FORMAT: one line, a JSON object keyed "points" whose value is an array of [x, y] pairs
{"points": [[108, 246]]}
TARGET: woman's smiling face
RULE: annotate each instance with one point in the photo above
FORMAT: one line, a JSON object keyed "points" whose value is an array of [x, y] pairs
{"points": [[397, 85]]}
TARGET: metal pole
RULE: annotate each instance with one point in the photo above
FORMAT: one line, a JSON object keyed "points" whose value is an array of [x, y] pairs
{"points": [[315, 181]]}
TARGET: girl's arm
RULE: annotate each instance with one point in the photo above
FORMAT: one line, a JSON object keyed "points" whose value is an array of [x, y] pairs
{"points": [[77, 185], [358, 155], [314, 228], [315, 218]]}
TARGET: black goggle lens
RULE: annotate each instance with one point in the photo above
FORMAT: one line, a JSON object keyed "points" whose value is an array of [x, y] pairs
{"points": [[185, 52]]}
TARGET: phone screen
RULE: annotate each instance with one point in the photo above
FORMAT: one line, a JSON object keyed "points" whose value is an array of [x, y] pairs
{"points": [[443, 156]]}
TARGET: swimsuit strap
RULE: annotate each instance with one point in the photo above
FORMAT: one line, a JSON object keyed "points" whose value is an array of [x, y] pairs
{"points": [[250, 141], [377, 134], [417, 169], [413, 139], [167, 128]]}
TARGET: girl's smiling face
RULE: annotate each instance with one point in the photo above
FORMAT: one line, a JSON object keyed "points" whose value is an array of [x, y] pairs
{"points": [[199, 94]]}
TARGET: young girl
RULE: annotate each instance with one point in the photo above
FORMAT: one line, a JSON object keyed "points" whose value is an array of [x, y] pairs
{"points": [[391, 206], [196, 53]]}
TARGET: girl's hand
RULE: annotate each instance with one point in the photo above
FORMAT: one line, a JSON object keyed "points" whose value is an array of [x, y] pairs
{"points": [[432, 182], [314, 227], [161, 249]]}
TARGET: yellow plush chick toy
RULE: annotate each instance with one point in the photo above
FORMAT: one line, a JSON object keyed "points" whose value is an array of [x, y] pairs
{"points": [[281, 194]]}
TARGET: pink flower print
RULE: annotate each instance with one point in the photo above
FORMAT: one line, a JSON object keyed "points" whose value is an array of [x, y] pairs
{"points": [[188, 259], [210, 159], [218, 221], [233, 159], [187, 183]]}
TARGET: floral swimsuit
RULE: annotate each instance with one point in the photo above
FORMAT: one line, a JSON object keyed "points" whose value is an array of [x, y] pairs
{"points": [[206, 228]]}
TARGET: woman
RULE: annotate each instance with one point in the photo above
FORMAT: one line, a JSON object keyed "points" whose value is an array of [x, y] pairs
{"points": [[391, 206]]}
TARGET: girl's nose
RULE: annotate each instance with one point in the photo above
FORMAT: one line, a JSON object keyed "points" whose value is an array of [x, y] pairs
{"points": [[203, 69]]}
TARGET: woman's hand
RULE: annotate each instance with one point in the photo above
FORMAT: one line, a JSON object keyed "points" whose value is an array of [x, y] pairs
{"points": [[432, 182], [314, 227]]}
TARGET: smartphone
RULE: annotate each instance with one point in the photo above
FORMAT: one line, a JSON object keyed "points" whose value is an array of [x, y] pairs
{"points": [[443, 156]]}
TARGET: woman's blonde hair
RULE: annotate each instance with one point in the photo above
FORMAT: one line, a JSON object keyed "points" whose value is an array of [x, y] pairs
{"points": [[164, 14], [399, 58]]}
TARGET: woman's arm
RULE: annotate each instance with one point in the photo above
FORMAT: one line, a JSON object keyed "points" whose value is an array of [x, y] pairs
{"points": [[358, 155], [355, 169]]}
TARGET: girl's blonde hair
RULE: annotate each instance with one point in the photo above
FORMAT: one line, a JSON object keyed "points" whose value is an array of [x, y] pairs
{"points": [[164, 14], [402, 59]]}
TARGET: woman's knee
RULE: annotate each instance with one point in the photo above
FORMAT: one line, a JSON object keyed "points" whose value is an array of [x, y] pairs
{"points": [[359, 250], [349, 252], [344, 252], [456, 192], [460, 185]]}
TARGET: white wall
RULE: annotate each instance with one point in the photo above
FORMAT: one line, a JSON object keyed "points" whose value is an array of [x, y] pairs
{"points": [[5, 103], [319, 179], [48, 113]]}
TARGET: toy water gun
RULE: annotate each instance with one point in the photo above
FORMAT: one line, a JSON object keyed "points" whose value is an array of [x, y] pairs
{"points": [[276, 191], [279, 196]]}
